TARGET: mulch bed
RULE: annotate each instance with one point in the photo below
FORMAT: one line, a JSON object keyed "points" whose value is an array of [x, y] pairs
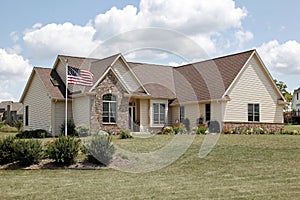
{"points": [[49, 164]]}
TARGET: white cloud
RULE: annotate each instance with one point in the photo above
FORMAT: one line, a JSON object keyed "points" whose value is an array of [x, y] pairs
{"points": [[242, 37], [16, 49], [14, 36], [52, 39], [283, 58], [200, 20], [14, 71]]}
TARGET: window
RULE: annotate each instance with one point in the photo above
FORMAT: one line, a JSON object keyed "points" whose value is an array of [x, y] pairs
{"points": [[253, 112], [109, 108], [207, 112], [26, 115], [297, 96], [158, 112], [181, 114]]}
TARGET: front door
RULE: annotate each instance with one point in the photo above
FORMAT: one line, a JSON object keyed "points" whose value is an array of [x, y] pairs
{"points": [[131, 117]]}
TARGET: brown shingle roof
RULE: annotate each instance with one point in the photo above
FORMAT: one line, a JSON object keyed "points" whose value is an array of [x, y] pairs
{"points": [[14, 106], [199, 81], [157, 79], [96, 66], [210, 79], [45, 75]]}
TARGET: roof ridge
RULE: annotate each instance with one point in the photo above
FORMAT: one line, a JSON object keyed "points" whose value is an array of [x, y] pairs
{"points": [[159, 65], [217, 58], [92, 58]]}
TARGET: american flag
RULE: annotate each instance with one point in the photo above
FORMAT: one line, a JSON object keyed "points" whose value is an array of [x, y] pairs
{"points": [[78, 76]]}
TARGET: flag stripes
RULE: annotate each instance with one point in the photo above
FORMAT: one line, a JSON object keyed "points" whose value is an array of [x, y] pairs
{"points": [[78, 76]]}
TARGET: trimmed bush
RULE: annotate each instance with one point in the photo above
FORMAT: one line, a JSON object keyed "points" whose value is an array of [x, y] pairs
{"points": [[167, 130], [28, 152], [7, 150], [71, 131], [38, 133], [201, 130], [83, 130], [100, 149], [63, 150], [125, 134], [179, 128], [6, 128]]}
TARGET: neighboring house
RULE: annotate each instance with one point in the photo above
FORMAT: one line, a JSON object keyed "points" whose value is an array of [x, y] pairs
{"points": [[296, 100], [235, 89], [11, 111]]}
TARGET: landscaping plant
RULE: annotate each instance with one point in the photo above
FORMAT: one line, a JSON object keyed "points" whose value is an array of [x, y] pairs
{"points": [[100, 149], [63, 150]]}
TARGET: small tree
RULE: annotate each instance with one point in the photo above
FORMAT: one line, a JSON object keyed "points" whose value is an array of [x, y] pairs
{"points": [[71, 128], [283, 89]]}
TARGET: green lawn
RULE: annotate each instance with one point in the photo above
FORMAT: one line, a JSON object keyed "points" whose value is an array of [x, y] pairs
{"points": [[4, 134], [239, 167], [291, 127]]}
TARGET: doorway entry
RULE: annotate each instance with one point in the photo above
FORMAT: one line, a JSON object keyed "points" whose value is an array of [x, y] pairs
{"points": [[131, 116]]}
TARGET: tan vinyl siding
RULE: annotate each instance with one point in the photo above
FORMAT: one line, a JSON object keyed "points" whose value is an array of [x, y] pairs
{"points": [[126, 76], [217, 111], [144, 114], [253, 86], [60, 115], [81, 110], [39, 104], [193, 112], [175, 112]]}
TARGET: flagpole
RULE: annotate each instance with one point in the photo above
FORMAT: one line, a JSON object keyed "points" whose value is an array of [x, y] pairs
{"points": [[66, 108]]}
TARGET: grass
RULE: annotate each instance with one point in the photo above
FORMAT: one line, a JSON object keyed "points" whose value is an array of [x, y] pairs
{"points": [[239, 167], [291, 127], [5, 134]]}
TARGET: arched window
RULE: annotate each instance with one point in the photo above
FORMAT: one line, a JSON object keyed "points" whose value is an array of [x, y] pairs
{"points": [[109, 114]]}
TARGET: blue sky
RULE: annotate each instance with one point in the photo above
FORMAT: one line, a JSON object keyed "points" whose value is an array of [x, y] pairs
{"points": [[34, 32]]}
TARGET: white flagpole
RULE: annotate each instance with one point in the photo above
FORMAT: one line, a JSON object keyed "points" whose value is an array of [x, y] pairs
{"points": [[66, 109]]}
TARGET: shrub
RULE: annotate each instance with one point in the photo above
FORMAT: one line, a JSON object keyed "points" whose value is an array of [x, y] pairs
{"points": [[63, 150], [179, 128], [28, 152], [125, 134], [201, 130], [101, 150], [6, 128], [83, 130], [7, 150], [38, 133], [167, 130], [19, 125], [71, 131]]}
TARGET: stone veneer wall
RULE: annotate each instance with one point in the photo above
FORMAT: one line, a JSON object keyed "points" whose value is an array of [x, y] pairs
{"points": [[109, 85]]}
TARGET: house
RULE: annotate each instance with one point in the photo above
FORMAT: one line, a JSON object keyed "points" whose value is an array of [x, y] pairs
{"points": [[294, 115], [11, 111], [235, 89], [296, 100]]}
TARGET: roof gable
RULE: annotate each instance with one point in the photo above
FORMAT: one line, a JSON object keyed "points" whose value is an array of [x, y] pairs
{"points": [[45, 75], [208, 80]]}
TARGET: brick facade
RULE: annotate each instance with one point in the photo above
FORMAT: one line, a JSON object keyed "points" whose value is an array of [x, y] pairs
{"points": [[109, 85]]}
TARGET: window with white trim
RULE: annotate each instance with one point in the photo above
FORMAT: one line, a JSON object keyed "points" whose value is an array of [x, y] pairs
{"points": [[253, 112], [159, 110], [109, 114]]}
